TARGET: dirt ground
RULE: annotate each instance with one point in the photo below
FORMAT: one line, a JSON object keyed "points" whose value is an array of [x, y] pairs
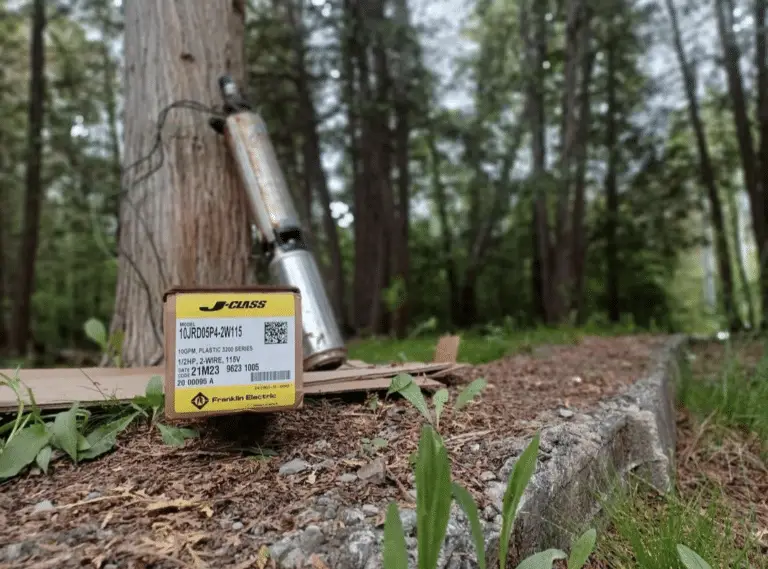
{"points": [[216, 501]]}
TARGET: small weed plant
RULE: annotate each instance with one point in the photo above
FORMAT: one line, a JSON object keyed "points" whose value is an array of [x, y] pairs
{"points": [[33, 437], [436, 491]]}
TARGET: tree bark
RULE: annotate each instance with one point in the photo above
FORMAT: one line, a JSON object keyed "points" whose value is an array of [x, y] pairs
{"points": [[535, 42], [193, 208], [579, 239], [707, 176], [759, 202], [402, 108], [34, 190], [611, 189]]}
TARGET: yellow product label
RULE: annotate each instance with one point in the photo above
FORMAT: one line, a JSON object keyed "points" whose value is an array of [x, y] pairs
{"points": [[235, 398], [235, 351], [235, 305]]}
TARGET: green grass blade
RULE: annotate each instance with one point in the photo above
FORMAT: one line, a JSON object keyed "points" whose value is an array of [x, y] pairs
{"points": [[412, 392], [581, 549], [542, 560], [433, 497], [518, 480], [469, 393], [395, 550], [690, 558], [464, 498], [439, 399]]}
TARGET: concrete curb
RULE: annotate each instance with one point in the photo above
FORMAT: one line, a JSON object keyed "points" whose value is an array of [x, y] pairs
{"points": [[579, 460]]}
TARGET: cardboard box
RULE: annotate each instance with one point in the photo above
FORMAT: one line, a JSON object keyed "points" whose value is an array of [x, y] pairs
{"points": [[231, 350]]}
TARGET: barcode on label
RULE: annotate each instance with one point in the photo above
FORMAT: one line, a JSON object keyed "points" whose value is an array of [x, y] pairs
{"points": [[280, 375]]}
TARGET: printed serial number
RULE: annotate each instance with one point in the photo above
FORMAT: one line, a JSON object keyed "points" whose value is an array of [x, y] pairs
{"points": [[203, 332], [193, 382], [234, 368]]}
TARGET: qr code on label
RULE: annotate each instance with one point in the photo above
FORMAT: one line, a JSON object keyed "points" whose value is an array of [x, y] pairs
{"points": [[275, 332]]}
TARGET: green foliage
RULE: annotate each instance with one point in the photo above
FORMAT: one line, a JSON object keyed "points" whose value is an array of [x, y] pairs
{"points": [[111, 345], [81, 434], [404, 385], [690, 558], [734, 397], [434, 493], [648, 529]]}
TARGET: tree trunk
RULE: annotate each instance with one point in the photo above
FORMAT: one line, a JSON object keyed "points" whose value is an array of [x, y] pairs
{"points": [[759, 202], [34, 190], [707, 176], [446, 234], [579, 241], [313, 168], [535, 41], [735, 218], [611, 190], [193, 207], [402, 108]]}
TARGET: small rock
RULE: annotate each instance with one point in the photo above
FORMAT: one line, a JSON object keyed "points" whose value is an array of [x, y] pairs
{"points": [[576, 379], [487, 476], [237, 526], [495, 492], [408, 520], [277, 550], [566, 413], [311, 538], [11, 552], [475, 447], [44, 506], [93, 496], [293, 559], [374, 471], [347, 478], [322, 444], [353, 517], [489, 512], [370, 510], [325, 465], [294, 467]]}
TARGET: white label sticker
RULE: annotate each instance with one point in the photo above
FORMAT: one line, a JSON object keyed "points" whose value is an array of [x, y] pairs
{"points": [[216, 352]]}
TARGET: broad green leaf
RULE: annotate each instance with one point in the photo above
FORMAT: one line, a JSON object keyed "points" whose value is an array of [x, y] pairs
{"points": [[43, 458], [82, 443], [154, 392], [581, 549], [378, 443], [395, 550], [469, 393], [433, 496], [518, 480], [65, 435], [96, 331], [690, 558], [413, 394], [398, 382], [22, 449], [542, 560], [103, 437], [175, 436], [439, 399], [464, 498]]}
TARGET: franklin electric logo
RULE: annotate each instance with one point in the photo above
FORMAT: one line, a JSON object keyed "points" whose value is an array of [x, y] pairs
{"points": [[234, 304], [200, 400]]}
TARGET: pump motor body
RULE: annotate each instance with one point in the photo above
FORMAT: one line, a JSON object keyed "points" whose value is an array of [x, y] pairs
{"points": [[289, 260]]}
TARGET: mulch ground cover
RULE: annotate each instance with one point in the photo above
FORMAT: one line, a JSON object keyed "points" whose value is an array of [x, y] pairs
{"points": [[216, 501]]}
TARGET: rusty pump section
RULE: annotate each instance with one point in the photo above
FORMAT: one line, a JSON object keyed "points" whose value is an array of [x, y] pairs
{"points": [[282, 239]]}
